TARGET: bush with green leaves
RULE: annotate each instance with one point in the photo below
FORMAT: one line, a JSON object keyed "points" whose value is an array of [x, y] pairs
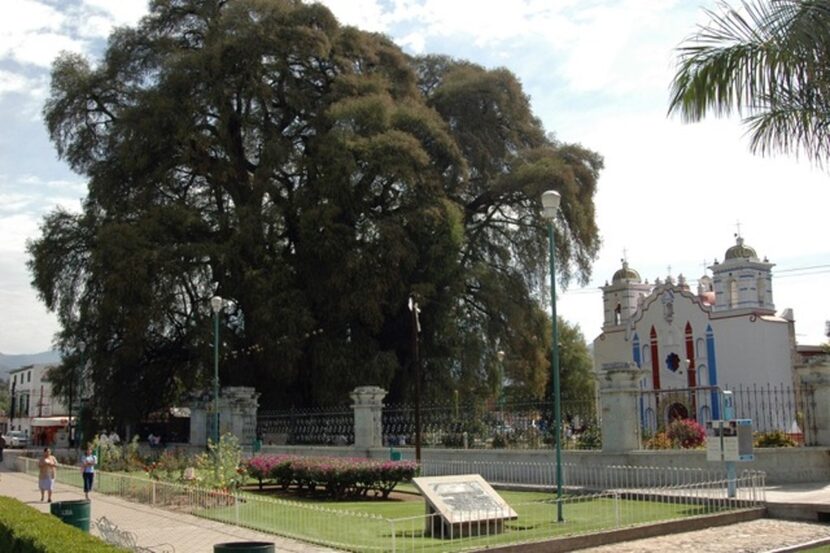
{"points": [[117, 457], [590, 438], [169, 465], [23, 529], [221, 467], [339, 477], [775, 438]]}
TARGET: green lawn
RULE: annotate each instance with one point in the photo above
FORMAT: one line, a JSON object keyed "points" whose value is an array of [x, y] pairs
{"points": [[374, 525], [367, 526]]}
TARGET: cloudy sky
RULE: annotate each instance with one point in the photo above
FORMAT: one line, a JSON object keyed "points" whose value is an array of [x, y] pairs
{"points": [[597, 72]]}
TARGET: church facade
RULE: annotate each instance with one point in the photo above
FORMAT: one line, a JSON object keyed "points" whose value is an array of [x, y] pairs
{"points": [[692, 344]]}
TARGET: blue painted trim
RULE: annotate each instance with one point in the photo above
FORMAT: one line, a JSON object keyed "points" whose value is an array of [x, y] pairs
{"points": [[713, 371], [635, 347]]}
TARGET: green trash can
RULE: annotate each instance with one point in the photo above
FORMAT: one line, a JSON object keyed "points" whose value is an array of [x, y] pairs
{"points": [[244, 547], [395, 455], [75, 513]]}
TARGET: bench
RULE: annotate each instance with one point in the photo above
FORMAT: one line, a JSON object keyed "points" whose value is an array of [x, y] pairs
{"points": [[123, 538]]}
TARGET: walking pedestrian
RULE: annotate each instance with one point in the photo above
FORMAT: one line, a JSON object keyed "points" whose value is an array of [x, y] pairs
{"points": [[88, 462], [48, 471]]}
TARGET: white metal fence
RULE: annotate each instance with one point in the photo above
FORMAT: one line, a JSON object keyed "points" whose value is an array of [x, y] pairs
{"points": [[587, 478], [632, 496]]}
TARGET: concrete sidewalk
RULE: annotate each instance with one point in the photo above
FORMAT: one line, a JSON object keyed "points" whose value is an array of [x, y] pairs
{"points": [[151, 526]]}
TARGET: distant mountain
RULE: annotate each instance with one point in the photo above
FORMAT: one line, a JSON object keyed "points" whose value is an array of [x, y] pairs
{"points": [[11, 362]]}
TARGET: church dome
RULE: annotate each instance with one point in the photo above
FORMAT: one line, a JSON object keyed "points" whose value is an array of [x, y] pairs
{"points": [[740, 251], [626, 274]]}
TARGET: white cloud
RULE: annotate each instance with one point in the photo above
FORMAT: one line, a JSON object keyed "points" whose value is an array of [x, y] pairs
{"points": [[414, 42], [13, 82], [41, 48], [368, 15], [94, 26], [15, 229], [26, 16], [120, 12]]}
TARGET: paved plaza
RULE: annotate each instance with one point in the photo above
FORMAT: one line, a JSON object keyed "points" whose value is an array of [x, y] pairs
{"points": [[190, 534]]}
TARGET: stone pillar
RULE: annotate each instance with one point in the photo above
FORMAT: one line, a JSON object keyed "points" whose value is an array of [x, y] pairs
{"points": [[619, 392], [237, 415], [368, 405], [198, 424], [815, 377]]}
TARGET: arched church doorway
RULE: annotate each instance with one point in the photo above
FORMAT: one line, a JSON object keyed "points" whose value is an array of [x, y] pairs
{"points": [[677, 411]]}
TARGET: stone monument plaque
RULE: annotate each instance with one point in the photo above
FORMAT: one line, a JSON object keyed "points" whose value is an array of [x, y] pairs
{"points": [[462, 505]]}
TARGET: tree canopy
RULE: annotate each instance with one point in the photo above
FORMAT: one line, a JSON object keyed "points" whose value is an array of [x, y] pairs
{"points": [[316, 177], [769, 62]]}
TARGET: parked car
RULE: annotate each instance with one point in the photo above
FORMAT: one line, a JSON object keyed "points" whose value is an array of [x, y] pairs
{"points": [[17, 438]]}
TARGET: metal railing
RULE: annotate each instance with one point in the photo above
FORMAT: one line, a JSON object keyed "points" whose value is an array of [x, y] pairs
{"points": [[330, 426], [583, 477], [632, 496], [780, 407], [508, 424]]}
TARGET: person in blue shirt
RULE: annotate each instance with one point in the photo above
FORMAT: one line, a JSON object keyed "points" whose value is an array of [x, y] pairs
{"points": [[88, 462]]}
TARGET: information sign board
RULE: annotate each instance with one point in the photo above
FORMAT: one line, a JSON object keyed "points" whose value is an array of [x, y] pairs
{"points": [[462, 505]]}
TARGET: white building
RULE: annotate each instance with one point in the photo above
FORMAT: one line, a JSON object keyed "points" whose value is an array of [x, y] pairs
{"points": [[692, 344], [42, 416]]}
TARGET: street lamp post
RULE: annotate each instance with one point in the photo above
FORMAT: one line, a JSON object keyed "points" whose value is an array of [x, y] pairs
{"points": [[216, 304], [500, 389], [416, 358], [550, 205]]}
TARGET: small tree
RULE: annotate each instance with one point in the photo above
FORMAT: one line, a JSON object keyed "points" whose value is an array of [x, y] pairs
{"points": [[686, 433], [221, 467]]}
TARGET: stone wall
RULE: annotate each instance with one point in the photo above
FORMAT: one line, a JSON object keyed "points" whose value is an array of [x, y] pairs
{"points": [[781, 465]]}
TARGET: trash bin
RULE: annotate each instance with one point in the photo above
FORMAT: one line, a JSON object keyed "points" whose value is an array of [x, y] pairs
{"points": [[75, 512], [244, 547], [394, 455]]}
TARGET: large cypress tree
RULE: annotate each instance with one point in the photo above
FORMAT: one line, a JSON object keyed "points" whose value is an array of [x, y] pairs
{"points": [[317, 177]]}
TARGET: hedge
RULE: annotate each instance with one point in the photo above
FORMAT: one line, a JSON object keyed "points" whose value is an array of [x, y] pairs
{"points": [[24, 529], [340, 477]]}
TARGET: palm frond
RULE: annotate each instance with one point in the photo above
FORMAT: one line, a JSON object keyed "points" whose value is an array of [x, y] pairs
{"points": [[768, 60], [796, 124]]}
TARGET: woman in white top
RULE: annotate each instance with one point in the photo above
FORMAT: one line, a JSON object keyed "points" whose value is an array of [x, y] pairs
{"points": [[88, 463]]}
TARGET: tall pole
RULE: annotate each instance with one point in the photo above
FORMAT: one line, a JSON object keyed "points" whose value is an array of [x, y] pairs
{"points": [[79, 438], [550, 202], [413, 307], [216, 304], [72, 426]]}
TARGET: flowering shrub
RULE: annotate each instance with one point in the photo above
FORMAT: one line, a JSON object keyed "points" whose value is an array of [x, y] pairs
{"points": [[658, 441], [170, 465], [686, 433], [339, 477], [272, 467]]}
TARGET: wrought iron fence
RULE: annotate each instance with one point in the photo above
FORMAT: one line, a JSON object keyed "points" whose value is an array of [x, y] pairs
{"points": [[518, 424], [330, 426], [515, 424], [781, 407]]}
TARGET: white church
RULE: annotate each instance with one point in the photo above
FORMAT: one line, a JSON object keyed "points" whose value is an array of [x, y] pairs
{"points": [[692, 344]]}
